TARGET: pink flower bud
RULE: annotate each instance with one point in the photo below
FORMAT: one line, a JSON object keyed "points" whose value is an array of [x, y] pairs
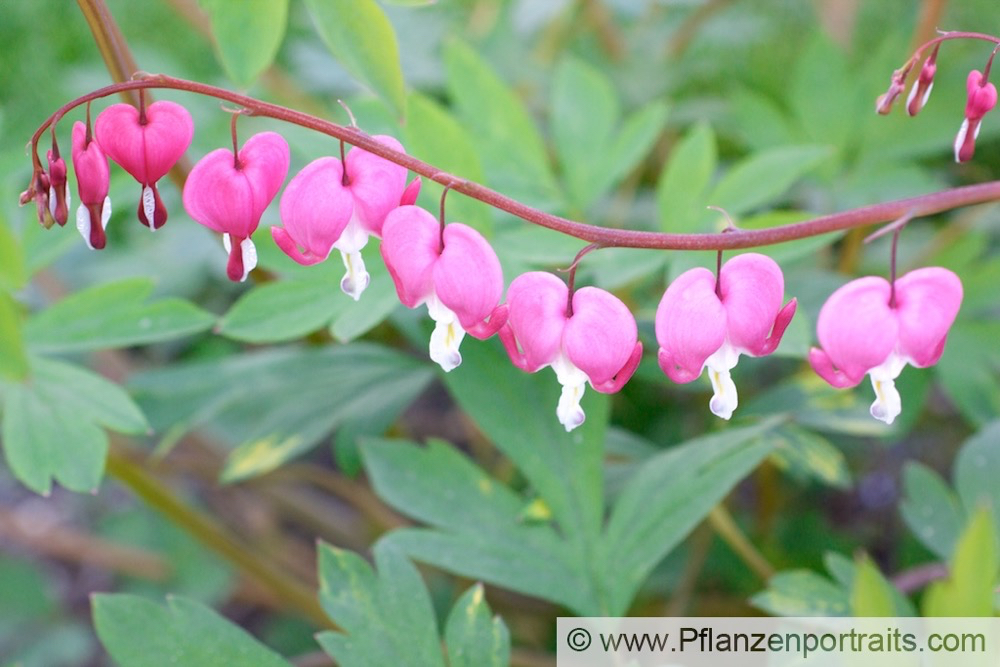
{"points": [[862, 331], [228, 194], [323, 209], [982, 97], [596, 342], [93, 178], [38, 192], [921, 89], [58, 198], [456, 273], [147, 146], [883, 105], [697, 327]]}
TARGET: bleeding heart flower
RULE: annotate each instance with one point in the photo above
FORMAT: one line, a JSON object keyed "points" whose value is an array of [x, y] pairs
{"points": [[455, 272], [322, 209], [59, 199], [982, 98], [228, 194], [701, 323], [864, 329], [594, 339], [93, 178], [146, 144], [921, 89]]}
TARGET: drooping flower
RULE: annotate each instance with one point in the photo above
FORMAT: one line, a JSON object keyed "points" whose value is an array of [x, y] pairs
{"points": [[897, 85], [228, 194], [864, 329], [701, 323], [454, 271], [93, 178], [921, 89], [982, 97], [323, 208], [59, 199], [593, 339], [146, 144]]}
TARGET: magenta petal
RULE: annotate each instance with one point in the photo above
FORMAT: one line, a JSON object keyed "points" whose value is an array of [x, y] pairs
{"points": [[467, 277], [92, 174], [316, 207], [411, 244], [537, 317], [146, 151], [856, 328], [411, 193], [601, 334], [752, 288], [376, 183], [290, 248], [927, 301], [624, 374], [264, 159], [690, 324], [823, 365]]}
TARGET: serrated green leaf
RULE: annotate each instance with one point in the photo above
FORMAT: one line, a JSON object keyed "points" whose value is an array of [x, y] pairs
{"points": [[968, 590], [247, 34], [763, 177], [683, 185], [802, 593], [113, 315], [473, 637], [871, 594], [361, 38], [510, 147], [141, 633], [282, 311], [386, 614], [977, 469], [669, 495], [13, 356], [434, 134], [930, 509]]}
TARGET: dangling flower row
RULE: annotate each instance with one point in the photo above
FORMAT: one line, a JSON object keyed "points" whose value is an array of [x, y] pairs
{"points": [[705, 320], [981, 95]]}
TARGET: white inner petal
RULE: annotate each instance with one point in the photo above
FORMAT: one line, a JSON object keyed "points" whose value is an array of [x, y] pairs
{"points": [[249, 251], [888, 404], [724, 397], [149, 206], [574, 383], [83, 223], [447, 335], [106, 212], [351, 241], [52, 201], [960, 137]]}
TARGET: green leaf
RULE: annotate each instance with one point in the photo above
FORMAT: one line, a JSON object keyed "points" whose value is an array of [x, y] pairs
{"points": [[473, 638], [683, 185], [802, 593], [277, 404], [386, 615], [805, 454], [113, 315], [356, 318], [968, 370], [977, 469], [248, 34], [760, 179], [669, 495], [13, 273], [638, 134], [433, 133], [930, 509], [968, 590], [52, 425], [361, 38], [140, 633], [13, 357], [510, 146], [283, 310], [871, 594]]}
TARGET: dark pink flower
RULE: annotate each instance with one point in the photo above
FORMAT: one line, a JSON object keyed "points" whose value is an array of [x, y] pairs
{"points": [[59, 199], [596, 342], [456, 273], [863, 331], [93, 179], [228, 194], [699, 327], [921, 89], [982, 97], [146, 145], [322, 209]]}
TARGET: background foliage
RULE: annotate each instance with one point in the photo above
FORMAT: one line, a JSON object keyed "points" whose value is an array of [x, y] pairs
{"points": [[215, 432]]}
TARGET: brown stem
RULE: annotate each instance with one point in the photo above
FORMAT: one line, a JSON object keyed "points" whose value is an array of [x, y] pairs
{"points": [[923, 205]]}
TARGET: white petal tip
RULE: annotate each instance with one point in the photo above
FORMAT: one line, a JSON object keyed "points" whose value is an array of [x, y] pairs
{"points": [[568, 411], [83, 224], [888, 403], [446, 337], [149, 206], [356, 280]]}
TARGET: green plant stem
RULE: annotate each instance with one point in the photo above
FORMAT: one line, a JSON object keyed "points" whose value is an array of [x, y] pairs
{"points": [[293, 594], [608, 238], [723, 523]]}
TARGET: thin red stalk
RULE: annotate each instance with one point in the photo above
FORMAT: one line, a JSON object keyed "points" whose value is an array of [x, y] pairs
{"points": [[923, 205]]}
